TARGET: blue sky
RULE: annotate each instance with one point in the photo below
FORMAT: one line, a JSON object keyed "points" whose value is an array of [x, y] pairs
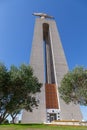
{"points": [[17, 26]]}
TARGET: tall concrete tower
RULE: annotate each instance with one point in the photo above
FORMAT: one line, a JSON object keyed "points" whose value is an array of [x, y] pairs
{"points": [[49, 65]]}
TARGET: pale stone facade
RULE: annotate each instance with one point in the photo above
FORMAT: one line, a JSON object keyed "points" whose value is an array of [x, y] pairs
{"points": [[45, 32]]}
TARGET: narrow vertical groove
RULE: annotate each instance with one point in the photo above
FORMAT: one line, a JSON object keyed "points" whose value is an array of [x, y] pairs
{"points": [[48, 58]]}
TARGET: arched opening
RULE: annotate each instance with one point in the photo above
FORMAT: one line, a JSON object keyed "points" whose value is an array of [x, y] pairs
{"points": [[50, 86], [48, 58]]}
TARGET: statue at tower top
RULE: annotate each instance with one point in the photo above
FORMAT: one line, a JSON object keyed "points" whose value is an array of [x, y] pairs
{"points": [[43, 15]]}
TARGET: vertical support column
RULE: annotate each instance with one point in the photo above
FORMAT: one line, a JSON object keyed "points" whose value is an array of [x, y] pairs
{"points": [[61, 68], [37, 63]]}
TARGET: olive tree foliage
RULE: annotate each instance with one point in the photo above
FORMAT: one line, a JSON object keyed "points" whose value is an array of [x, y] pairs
{"points": [[18, 87], [74, 86]]}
